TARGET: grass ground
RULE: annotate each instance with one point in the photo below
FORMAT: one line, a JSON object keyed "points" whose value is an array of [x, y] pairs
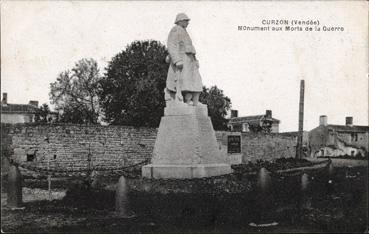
{"points": [[340, 206]]}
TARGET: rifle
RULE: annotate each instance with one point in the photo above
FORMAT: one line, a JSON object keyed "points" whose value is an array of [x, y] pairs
{"points": [[179, 96]]}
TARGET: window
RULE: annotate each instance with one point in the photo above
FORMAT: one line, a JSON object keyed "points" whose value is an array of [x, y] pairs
{"points": [[30, 157], [354, 137], [245, 127]]}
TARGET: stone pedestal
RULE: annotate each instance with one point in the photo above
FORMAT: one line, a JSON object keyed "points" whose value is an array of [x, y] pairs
{"points": [[186, 146]]}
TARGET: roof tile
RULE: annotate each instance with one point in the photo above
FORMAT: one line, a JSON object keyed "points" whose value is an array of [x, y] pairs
{"points": [[345, 128], [18, 108]]}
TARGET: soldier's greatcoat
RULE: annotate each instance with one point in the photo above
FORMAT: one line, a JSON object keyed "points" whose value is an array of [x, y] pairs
{"points": [[181, 50]]}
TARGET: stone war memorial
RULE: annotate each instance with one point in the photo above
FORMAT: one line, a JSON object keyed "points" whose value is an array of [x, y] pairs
{"points": [[186, 145]]}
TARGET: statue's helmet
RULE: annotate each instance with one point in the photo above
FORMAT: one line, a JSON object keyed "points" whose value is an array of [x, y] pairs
{"points": [[180, 17]]}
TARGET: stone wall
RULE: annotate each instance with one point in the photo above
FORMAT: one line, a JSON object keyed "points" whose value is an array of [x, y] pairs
{"points": [[13, 118], [262, 146], [67, 146], [6, 147]]}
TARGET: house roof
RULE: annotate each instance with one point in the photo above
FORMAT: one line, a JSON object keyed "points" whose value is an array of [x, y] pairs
{"points": [[18, 109], [345, 128], [251, 119]]}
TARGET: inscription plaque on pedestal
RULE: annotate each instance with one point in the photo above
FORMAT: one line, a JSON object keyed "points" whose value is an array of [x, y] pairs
{"points": [[234, 144]]}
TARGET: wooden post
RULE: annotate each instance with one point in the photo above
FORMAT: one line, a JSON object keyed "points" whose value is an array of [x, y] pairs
{"points": [[49, 178], [47, 140], [301, 120], [89, 176]]}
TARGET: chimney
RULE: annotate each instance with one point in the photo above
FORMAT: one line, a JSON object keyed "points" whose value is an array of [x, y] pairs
{"points": [[349, 121], [234, 113], [33, 103], [323, 120], [268, 114], [5, 99]]}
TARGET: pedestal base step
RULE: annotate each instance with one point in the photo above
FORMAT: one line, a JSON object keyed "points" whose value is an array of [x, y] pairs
{"points": [[154, 171]]}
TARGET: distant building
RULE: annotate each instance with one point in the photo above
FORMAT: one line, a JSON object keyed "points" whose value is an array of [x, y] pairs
{"points": [[338, 140], [247, 123], [17, 113]]}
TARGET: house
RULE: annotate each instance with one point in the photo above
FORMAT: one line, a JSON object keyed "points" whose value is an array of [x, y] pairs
{"points": [[338, 140], [253, 123], [17, 113]]}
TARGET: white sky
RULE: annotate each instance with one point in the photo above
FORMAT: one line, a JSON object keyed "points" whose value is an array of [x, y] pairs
{"points": [[257, 70]]}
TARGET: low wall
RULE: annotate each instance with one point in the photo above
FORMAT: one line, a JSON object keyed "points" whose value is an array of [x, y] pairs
{"points": [[68, 146], [262, 146]]}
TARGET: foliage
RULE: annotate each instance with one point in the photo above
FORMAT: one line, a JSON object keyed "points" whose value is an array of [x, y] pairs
{"points": [[266, 127], [132, 90], [218, 106], [42, 114], [74, 93], [277, 164], [133, 87]]}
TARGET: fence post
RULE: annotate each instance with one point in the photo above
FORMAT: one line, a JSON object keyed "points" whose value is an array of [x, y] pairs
{"points": [[14, 198], [122, 206]]}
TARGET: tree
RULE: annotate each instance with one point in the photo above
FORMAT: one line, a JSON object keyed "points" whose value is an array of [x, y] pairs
{"points": [[265, 127], [75, 93], [42, 114], [132, 90], [218, 106]]}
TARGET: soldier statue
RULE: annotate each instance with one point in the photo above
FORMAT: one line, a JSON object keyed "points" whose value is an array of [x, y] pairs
{"points": [[183, 79]]}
